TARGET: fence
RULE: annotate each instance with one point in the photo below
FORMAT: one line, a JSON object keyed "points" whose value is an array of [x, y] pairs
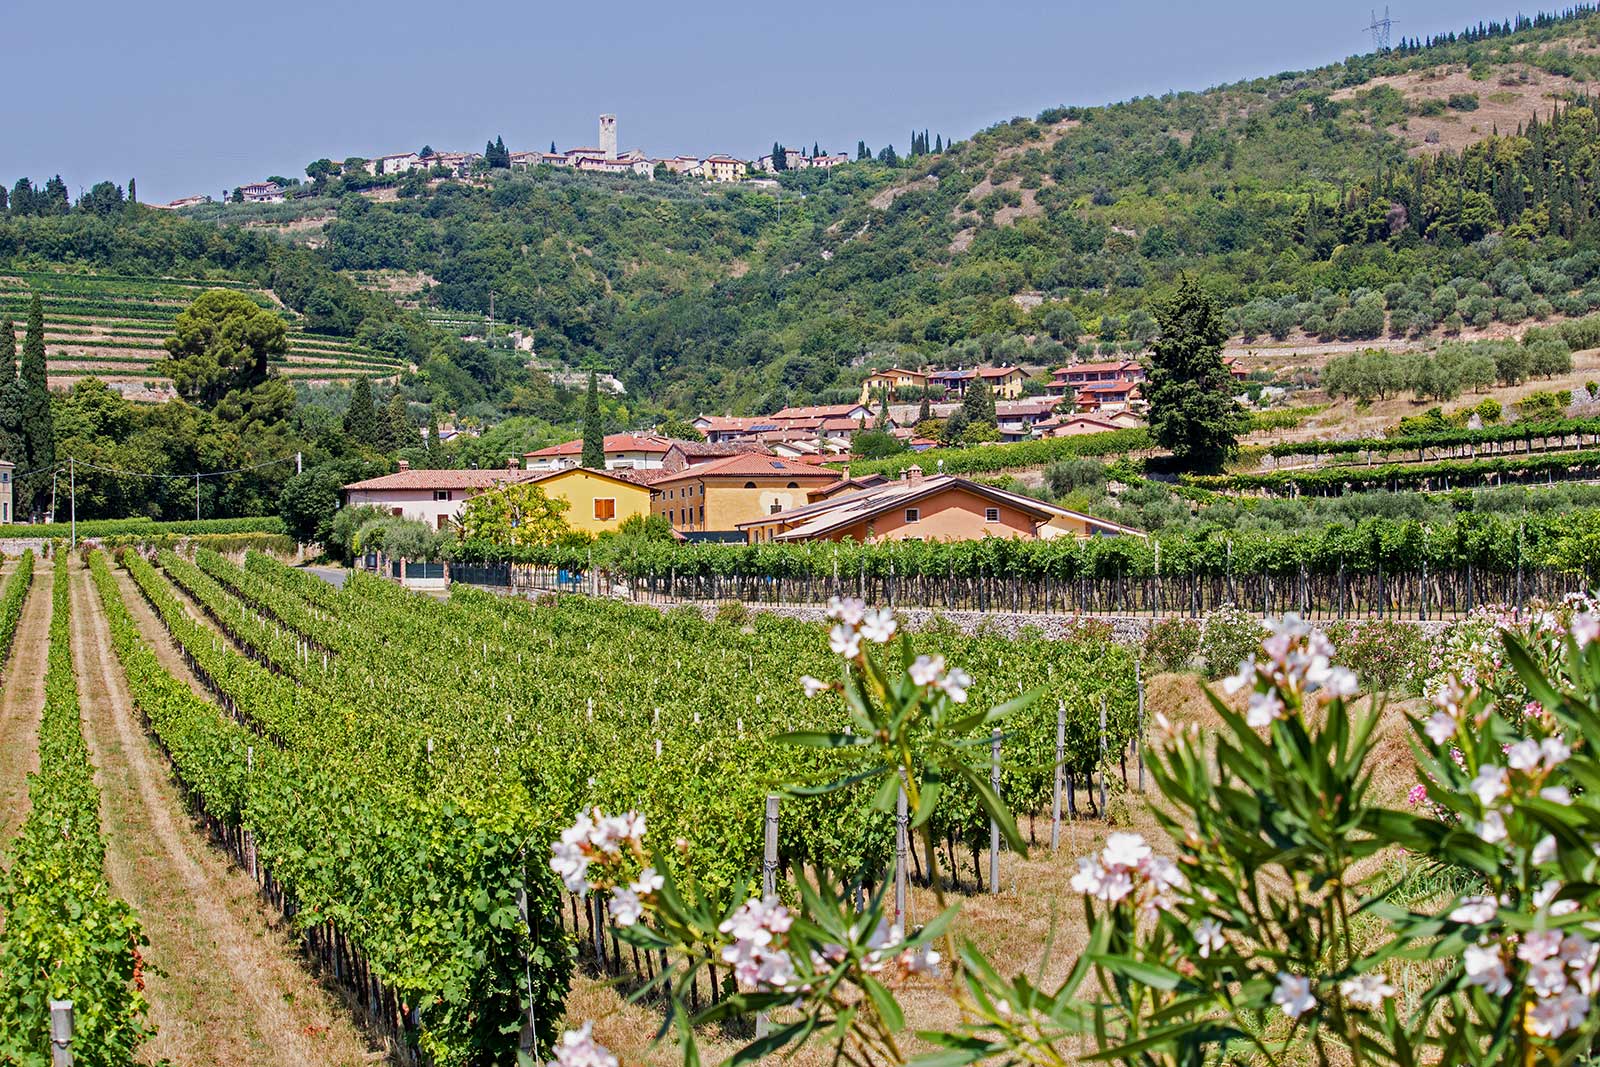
{"points": [[1345, 594]]}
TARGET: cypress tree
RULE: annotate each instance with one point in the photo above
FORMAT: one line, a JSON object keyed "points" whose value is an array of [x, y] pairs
{"points": [[925, 412], [37, 429], [361, 417], [397, 424], [1192, 410], [432, 438], [594, 439], [883, 412]]}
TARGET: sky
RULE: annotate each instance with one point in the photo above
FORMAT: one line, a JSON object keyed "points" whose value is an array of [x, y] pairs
{"points": [[193, 97]]}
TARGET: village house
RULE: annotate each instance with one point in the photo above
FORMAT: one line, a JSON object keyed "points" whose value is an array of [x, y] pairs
{"points": [[681, 455], [1073, 425], [722, 169], [7, 471], [896, 381], [716, 497], [1006, 382], [627, 451], [917, 508], [1106, 397], [718, 428], [1017, 418], [597, 501], [261, 193], [399, 163], [1066, 381], [433, 497]]}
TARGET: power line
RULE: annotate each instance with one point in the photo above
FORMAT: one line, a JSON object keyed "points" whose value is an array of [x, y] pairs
{"points": [[1379, 28]]}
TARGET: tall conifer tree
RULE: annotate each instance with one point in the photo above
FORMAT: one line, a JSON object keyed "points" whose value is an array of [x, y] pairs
{"points": [[594, 439]]}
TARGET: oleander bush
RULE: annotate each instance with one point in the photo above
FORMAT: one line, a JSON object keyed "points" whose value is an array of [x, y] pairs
{"points": [[1228, 636], [1172, 643]]}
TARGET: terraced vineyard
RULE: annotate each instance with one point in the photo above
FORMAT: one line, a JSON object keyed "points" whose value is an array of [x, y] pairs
{"points": [[112, 327]]}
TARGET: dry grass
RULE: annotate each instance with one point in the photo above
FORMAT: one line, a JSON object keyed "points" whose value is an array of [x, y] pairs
{"points": [[1500, 106], [1034, 908]]}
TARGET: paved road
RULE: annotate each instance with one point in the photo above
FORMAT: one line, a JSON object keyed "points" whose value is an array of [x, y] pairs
{"points": [[334, 576]]}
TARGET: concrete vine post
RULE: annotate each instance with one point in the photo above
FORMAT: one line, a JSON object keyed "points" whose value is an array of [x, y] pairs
{"points": [[769, 881], [902, 851], [1060, 773], [61, 1033], [994, 827]]}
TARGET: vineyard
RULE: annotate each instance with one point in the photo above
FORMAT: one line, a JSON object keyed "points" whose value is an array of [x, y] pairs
{"points": [[112, 327], [351, 748]]}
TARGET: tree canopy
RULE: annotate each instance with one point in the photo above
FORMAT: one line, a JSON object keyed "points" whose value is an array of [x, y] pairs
{"points": [[223, 342]]}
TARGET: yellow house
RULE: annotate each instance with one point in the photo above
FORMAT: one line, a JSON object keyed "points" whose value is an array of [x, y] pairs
{"points": [[599, 501], [1005, 381], [895, 380], [719, 495]]}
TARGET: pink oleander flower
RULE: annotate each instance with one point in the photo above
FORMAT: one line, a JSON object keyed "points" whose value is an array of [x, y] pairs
{"points": [[1293, 995], [578, 1048]]}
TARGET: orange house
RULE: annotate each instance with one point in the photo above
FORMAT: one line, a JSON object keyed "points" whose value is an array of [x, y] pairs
{"points": [[941, 508]]}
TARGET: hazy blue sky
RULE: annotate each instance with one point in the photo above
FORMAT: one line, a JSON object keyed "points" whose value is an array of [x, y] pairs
{"points": [[193, 97]]}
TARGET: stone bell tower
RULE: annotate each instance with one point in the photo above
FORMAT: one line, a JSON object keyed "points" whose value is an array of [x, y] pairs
{"points": [[608, 136]]}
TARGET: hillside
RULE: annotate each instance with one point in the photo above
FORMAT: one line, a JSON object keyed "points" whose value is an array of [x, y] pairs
{"points": [[1445, 188]]}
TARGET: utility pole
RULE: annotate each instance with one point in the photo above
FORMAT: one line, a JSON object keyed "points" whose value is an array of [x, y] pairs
{"points": [[197, 498], [299, 463], [491, 314], [72, 479]]}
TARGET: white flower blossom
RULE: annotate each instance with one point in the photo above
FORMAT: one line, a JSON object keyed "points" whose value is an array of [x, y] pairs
{"points": [[1556, 794], [878, 625], [1474, 910], [1440, 727], [813, 686], [1125, 850], [1341, 682], [1487, 968], [921, 961], [571, 865], [955, 684], [1208, 935], [1554, 1016], [1264, 707], [849, 610], [1524, 755], [1490, 785], [578, 1048], [845, 641], [925, 670], [1366, 990], [1539, 945], [1585, 628], [1493, 828], [1555, 751], [1293, 995], [626, 907], [1547, 977], [1244, 676], [647, 882], [1545, 851]]}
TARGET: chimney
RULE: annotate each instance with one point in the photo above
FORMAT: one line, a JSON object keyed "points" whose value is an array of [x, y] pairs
{"points": [[913, 474], [511, 463], [405, 465]]}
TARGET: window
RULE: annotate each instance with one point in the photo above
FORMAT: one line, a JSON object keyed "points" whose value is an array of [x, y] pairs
{"points": [[749, 485], [793, 485], [444, 521], [913, 514], [702, 514], [776, 507], [991, 514], [394, 511], [442, 494], [605, 507]]}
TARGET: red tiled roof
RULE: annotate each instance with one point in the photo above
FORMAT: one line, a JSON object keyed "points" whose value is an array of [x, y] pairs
{"points": [[616, 442], [998, 372], [750, 465], [447, 479], [815, 411]]}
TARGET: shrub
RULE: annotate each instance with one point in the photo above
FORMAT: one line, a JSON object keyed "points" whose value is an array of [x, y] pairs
{"points": [[1228, 636], [1172, 643], [1388, 657]]}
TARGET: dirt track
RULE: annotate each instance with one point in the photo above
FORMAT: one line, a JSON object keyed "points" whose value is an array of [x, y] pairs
{"points": [[20, 703]]}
